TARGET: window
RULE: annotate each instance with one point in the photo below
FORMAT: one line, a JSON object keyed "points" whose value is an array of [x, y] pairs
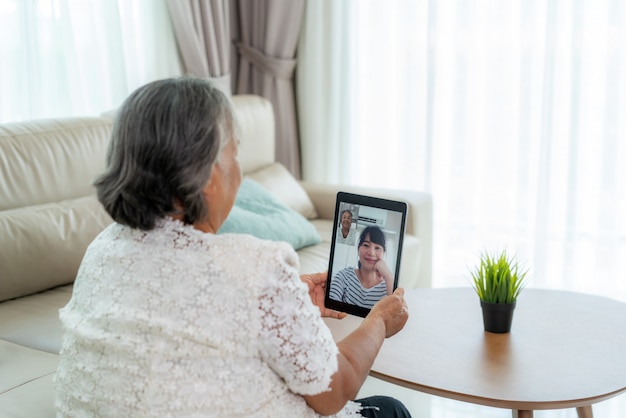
{"points": [[80, 57]]}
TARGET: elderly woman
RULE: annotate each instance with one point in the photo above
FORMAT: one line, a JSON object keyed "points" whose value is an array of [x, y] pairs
{"points": [[168, 319], [345, 233]]}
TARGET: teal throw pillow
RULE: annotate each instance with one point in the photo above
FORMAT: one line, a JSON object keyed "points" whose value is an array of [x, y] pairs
{"points": [[257, 212]]}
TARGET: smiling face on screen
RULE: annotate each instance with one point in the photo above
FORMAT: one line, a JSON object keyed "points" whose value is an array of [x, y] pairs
{"points": [[346, 219], [371, 247]]}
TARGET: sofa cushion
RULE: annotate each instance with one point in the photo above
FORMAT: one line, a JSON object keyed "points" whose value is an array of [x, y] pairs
{"points": [[255, 117], [258, 213], [283, 185], [26, 386], [34, 320], [32, 399], [42, 246], [50, 160], [314, 259], [20, 365]]}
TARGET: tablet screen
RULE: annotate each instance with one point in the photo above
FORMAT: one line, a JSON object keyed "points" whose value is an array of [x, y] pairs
{"points": [[364, 261]]}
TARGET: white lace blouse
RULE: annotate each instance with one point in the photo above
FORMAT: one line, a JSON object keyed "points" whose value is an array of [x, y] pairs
{"points": [[175, 322]]}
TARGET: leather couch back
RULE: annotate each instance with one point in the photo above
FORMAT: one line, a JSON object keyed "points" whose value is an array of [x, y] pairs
{"points": [[48, 209]]}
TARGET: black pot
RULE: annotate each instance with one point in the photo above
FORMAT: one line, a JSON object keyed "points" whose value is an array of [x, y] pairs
{"points": [[497, 317]]}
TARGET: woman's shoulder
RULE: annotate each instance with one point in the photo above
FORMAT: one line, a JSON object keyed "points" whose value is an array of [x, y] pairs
{"points": [[243, 241], [175, 235], [254, 243], [349, 271], [112, 232], [265, 251]]}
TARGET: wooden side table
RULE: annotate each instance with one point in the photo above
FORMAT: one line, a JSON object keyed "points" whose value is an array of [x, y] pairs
{"points": [[565, 350]]}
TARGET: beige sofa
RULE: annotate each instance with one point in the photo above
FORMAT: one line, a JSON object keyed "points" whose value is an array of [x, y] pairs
{"points": [[49, 214]]}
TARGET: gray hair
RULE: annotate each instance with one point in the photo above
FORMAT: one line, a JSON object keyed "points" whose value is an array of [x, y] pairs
{"points": [[166, 138]]}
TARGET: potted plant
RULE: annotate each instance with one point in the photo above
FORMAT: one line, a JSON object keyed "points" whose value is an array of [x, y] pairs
{"points": [[498, 281]]}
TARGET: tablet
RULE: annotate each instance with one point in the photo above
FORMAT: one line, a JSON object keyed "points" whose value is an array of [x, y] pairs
{"points": [[364, 262]]}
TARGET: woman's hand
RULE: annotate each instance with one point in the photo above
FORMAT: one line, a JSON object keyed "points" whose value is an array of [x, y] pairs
{"points": [[383, 271], [393, 311], [317, 290]]}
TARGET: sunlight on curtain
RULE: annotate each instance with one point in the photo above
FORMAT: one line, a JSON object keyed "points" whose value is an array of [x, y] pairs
{"points": [[510, 113], [80, 57]]}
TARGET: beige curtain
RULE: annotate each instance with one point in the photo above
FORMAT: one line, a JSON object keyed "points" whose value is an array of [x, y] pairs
{"points": [[202, 29], [260, 47], [266, 39]]}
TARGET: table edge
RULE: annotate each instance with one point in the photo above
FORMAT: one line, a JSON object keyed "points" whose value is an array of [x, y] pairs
{"points": [[497, 403]]}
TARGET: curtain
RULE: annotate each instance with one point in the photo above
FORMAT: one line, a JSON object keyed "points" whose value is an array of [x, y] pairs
{"points": [[267, 41], [204, 37], [78, 57], [510, 113]]}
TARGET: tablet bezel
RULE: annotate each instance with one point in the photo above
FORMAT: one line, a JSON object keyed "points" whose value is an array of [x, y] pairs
{"points": [[373, 202]]}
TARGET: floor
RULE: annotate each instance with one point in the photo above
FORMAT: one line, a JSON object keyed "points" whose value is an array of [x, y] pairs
{"points": [[426, 406]]}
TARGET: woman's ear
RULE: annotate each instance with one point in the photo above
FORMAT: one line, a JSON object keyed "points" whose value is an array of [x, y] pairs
{"points": [[211, 185]]}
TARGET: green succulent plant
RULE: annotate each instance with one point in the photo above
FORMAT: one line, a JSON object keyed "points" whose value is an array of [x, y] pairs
{"points": [[498, 278]]}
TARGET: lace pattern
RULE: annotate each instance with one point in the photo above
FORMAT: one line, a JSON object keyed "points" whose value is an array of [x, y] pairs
{"points": [[178, 323]]}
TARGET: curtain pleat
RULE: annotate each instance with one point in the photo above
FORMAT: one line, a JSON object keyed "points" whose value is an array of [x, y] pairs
{"points": [[203, 35], [267, 41]]}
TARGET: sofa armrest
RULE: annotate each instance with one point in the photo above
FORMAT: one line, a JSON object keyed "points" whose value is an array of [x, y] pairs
{"points": [[419, 214]]}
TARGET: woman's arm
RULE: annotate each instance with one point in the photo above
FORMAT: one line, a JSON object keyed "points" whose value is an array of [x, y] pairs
{"points": [[389, 285], [357, 353]]}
